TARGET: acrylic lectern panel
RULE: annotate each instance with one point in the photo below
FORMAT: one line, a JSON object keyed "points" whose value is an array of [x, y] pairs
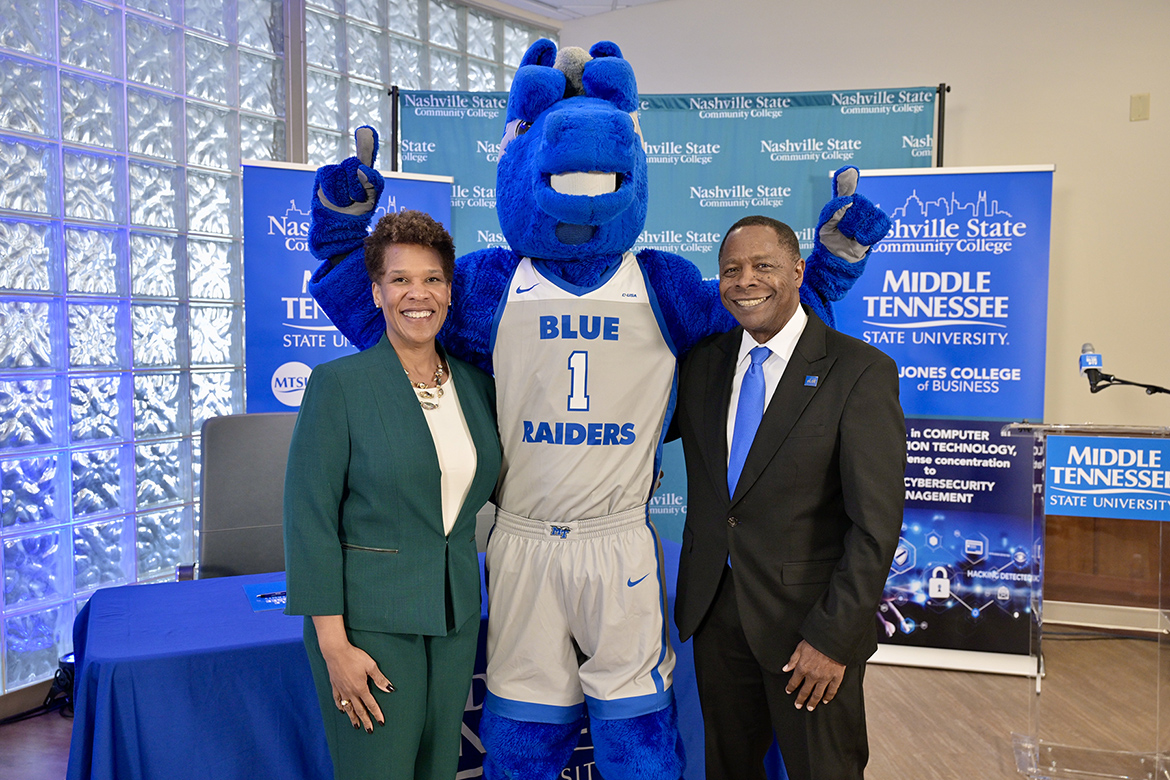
{"points": [[1101, 707]]}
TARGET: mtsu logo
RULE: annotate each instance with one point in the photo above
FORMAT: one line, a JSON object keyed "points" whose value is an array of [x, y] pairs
{"points": [[288, 383], [560, 531]]}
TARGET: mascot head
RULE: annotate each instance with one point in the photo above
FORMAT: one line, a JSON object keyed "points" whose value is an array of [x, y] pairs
{"points": [[571, 181]]}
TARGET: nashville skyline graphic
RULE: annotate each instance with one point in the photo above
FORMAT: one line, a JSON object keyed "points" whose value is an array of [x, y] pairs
{"points": [[982, 206]]}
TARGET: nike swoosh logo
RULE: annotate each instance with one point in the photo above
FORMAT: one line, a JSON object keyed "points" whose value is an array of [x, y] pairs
{"points": [[522, 290], [632, 583]]}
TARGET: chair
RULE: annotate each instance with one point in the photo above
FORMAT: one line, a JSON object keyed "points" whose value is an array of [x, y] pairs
{"points": [[242, 495]]}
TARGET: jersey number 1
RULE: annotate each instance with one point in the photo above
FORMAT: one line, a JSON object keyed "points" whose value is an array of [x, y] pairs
{"points": [[579, 381]]}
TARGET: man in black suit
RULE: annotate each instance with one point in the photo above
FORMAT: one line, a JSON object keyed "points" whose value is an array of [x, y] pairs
{"points": [[795, 456]]}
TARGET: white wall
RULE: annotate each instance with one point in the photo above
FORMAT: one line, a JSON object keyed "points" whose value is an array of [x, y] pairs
{"points": [[1046, 81]]}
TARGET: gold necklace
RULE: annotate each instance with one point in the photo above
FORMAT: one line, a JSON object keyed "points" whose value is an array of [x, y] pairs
{"points": [[428, 397]]}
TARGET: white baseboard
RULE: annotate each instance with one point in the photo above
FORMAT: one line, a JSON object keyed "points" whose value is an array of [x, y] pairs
{"points": [[956, 660], [1056, 613], [1110, 616]]}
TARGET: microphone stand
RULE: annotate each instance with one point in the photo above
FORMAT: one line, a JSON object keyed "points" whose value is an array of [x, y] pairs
{"points": [[1108, 380]]}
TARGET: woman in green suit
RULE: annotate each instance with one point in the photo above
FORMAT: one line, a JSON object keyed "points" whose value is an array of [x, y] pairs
{"points": [[394, 451]]}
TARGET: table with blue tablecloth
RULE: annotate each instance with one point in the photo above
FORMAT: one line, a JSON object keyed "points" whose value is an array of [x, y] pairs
{"points": [[185, 681]]}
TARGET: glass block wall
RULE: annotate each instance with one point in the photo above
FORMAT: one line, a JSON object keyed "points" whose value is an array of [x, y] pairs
{"points": [[121, 321], [122, 126], [355, 49]]}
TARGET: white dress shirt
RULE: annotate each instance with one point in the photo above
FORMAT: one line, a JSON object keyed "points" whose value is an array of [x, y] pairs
{"points": [[783, 344], [455, 450]]}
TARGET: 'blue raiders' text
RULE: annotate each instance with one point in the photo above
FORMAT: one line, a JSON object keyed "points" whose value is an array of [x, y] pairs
{"points": [[587, 327], [578, 433]]}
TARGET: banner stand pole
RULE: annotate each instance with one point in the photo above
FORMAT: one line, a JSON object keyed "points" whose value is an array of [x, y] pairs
{"points": [[943, 89], [394, 127]]}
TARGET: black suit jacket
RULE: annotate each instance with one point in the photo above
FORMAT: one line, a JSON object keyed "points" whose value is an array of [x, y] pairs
{"points": [[817, 512]]}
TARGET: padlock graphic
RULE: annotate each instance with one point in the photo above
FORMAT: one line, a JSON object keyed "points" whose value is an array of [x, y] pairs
{"points": [[939, 584]]}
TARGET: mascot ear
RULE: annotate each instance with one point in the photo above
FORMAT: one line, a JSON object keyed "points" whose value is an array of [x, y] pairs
{"points": [[542, 52], [605, 49], [613, 80], [534, 88]]}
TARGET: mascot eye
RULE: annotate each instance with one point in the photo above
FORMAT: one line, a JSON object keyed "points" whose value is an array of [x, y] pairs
{"points": [[638, 129], [514, 129]]}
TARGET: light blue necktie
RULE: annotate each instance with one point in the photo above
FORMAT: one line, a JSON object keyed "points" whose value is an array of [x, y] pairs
{"points": [[748, 414]]}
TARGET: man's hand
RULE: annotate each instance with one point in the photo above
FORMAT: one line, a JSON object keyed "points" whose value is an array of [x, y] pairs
{"points": [[816, 675]]}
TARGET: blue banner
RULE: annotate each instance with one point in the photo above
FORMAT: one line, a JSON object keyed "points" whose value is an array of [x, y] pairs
{"points": [[287, 332], [957, 295], [1097, 476], [965, 563]]}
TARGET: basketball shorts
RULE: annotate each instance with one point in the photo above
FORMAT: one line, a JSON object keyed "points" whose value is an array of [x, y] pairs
{"points": [[577, 618]]}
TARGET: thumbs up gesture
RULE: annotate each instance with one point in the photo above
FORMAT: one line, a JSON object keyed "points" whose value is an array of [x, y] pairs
{"points": [[353, 186], [850, 224]]}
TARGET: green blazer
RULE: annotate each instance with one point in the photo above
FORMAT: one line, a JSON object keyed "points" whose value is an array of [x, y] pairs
{"points": [[363, 521]]}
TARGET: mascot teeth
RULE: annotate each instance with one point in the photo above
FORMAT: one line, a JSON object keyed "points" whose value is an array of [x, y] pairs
{"points": [[584, 183]]}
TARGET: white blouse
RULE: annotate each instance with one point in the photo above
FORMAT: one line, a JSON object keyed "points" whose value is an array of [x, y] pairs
{"points": [[455, 449]]}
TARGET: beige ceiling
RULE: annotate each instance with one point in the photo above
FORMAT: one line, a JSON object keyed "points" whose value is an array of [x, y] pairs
{"points": [[564, 10]]}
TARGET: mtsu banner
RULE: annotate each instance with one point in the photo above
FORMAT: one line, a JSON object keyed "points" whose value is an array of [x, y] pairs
{"points": [[287, 332], [957, 295], [712, 158], [1096, 476]]}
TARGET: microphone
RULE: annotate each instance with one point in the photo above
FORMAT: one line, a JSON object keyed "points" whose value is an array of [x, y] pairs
{"points": [[1091, 365]]}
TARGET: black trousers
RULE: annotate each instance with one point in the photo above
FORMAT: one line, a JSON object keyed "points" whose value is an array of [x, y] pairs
{"points": [[744, 705]]}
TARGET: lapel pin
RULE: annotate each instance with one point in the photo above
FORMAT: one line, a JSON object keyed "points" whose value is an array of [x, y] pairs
{"points": [[810, 381]]}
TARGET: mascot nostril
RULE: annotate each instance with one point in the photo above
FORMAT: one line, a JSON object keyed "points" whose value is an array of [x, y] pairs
{"points": [[574, 234], [583, 337]]}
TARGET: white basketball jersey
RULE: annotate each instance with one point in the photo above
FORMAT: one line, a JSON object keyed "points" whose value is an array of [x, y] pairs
{"points": [[583, 379]]}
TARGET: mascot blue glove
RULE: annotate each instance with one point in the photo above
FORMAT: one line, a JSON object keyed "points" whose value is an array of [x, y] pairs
{"points": [[344, 199], [849, 225], [583, 337]]}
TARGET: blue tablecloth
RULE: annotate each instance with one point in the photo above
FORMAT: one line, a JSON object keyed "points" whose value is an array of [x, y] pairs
{"points": [[184, 680]]}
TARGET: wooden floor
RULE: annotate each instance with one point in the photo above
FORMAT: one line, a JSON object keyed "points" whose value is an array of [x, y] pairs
{"points": [[35, 749], [923, 723]]}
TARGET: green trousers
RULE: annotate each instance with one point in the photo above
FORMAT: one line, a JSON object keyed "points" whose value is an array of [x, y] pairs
{"points": [[424, 715]]}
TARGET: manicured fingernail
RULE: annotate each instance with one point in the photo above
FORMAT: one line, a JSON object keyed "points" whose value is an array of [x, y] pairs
{"points": [[390, 685], [370, 730], [355, 725]]}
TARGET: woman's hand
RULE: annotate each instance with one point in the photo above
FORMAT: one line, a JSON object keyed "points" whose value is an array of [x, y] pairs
{"points": [[350, 669]]}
